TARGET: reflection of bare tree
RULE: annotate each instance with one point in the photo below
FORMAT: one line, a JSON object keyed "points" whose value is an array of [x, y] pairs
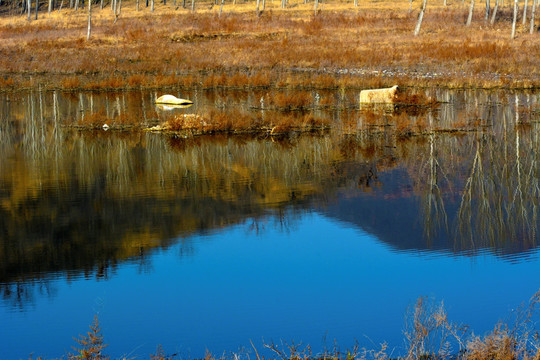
{"points": [[433, 204], [465, 213], [499, 202]]}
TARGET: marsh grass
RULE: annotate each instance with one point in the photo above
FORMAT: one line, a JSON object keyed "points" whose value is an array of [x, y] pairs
{"points": [[428, 334], [240, 122], [371, 45]]}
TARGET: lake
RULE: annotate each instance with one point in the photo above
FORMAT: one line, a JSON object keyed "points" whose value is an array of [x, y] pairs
{"points": [[211, 243]]}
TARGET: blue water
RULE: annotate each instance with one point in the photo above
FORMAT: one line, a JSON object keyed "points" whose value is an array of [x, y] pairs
{"points": [[319, 281], [215, 243]]}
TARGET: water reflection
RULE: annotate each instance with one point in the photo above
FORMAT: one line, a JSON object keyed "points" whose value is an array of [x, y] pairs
{"points": [[77, 203]]}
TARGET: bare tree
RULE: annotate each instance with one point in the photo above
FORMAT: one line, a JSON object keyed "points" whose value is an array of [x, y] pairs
{"points": [[516, 6], [258, 9], [220, 7], [420, 18], [494, 12], [471, 10], [533, 12], [50, 7], [525, 12], [118, 10], [37, 6], [488, 8], [89, 20]]}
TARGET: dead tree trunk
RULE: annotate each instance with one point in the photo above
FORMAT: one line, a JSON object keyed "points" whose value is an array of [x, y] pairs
{"points": [[37, 6], [316, 6], [151, 5], [471, 10], [192, 5], [29, 8], [258, 9], [118, 10], [420, 18], [494, 12], [488, 6], [525, 12], [533, 12], [516, 5], [50, 7], [220, 7], [89, 20]]}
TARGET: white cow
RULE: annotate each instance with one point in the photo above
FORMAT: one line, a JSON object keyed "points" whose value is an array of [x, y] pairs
{"points": [[379, 96], [172, 100]]}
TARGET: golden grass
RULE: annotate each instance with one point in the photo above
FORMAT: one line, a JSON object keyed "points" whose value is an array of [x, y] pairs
{"points": [[371, 45]]}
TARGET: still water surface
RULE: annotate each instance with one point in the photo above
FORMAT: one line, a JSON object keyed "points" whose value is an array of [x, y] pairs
{"points": [[209, 243]]}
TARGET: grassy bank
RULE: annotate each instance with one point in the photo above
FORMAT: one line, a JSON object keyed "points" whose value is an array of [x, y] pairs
{"points": [[342, 46], [428, 334]]}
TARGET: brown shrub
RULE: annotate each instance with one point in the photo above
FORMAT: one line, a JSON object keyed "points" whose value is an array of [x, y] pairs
{"points": [[291, 101], [71, 82]]}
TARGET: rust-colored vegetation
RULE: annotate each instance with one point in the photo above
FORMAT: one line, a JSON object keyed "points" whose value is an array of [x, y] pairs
{"points": [[371, 45], [239, 122], [428, 334]]}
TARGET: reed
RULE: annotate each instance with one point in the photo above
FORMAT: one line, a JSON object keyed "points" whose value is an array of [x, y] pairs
{"points": [[371, 45]]}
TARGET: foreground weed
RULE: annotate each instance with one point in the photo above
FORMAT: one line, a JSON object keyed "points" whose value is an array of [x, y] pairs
{"points": [[91, 346]]}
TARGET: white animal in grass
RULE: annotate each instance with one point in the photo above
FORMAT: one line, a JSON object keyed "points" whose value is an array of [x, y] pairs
{"points": [[379, 96], [172, 100]]}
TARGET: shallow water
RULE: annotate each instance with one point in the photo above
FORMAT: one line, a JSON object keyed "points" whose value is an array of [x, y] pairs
{"points": [[202, 243]]}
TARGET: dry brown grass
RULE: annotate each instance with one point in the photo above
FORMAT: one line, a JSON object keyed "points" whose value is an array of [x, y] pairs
{"points": [[368, 46], [428, 333], [241, 122]]}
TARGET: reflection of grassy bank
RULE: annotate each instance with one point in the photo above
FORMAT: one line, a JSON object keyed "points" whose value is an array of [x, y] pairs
{"points": [[82, 201], [342, 47]]}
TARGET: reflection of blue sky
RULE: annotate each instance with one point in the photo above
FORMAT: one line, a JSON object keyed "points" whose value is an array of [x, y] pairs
{"points": [[319, 278]]}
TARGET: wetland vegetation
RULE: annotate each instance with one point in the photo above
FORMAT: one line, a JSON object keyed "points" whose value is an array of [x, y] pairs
{"points": [[344, 45]]}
